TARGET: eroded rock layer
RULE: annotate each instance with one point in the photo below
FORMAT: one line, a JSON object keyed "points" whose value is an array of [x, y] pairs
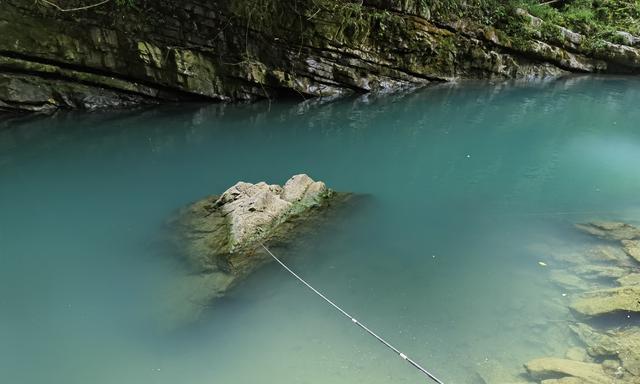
{"points": [[161, 51]]}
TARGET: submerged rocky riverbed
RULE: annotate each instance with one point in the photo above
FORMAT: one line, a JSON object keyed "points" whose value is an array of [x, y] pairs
{"points": [[600, 283]]}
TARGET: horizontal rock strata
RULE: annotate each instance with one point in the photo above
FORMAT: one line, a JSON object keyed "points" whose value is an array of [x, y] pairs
{"points": [[163, 51]]}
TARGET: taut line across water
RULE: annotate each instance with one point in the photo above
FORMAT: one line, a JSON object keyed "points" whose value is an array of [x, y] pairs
{"points": [[353, 319]]}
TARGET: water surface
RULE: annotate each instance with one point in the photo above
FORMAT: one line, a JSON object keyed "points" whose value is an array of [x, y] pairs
{"points": [[463, 186]]}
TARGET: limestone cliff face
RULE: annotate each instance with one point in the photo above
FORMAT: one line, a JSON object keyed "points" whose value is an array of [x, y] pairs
{"points": [[210, 50]]}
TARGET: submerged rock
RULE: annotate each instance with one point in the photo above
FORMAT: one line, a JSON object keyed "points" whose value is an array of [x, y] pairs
{"points": [[577, 354], [606, 301], [569, 281], [491, 372], [608, 253], [610, 230], [598, 271], [632, 248], [555, 368], [622, 344], [564, 380], [630, 279], [609, 278]]}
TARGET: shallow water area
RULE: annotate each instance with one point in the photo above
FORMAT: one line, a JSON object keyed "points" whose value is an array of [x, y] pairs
{"points": [[465, 189]]}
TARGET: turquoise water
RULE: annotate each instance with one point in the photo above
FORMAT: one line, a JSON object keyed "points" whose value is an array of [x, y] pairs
{"points": [[463, 185]]}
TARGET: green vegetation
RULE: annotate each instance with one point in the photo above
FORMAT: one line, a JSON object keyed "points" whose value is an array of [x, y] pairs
{"points": [[593, 17], [597, 21], [487, 12]]}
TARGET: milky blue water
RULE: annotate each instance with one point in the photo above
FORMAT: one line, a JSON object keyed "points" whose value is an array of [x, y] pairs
{"points": [[462, 186]]}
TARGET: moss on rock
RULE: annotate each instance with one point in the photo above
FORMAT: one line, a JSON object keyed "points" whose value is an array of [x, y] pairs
{"points": [[251, 49]]}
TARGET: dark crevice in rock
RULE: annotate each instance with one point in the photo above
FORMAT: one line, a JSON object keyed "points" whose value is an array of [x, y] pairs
{"points": [[68, 79]]}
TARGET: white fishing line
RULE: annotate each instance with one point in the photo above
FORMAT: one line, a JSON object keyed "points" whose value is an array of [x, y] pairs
{"points": [[353, 319]]}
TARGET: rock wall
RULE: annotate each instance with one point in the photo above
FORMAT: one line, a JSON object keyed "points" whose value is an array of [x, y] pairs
{"points": [[163, 51]]}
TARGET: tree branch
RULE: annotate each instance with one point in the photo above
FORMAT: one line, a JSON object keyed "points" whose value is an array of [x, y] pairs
{"points": [[59, 8]]}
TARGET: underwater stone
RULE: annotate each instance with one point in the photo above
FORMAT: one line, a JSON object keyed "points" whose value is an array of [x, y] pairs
{"points": [[608, 253], [630, 279], [597, 271], [612, 367], [564, 380], [550, 367], [492, 372], [610, 230], [624, 344], [606, 301], [569, 281], [632, 248], [577, 354]]}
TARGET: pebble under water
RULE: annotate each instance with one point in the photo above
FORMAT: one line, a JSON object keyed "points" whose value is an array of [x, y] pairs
{"points": [[462, 189]]}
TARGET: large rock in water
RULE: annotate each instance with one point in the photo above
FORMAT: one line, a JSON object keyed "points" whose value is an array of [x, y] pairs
{"points": [[224, 233], [221, 236]]}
